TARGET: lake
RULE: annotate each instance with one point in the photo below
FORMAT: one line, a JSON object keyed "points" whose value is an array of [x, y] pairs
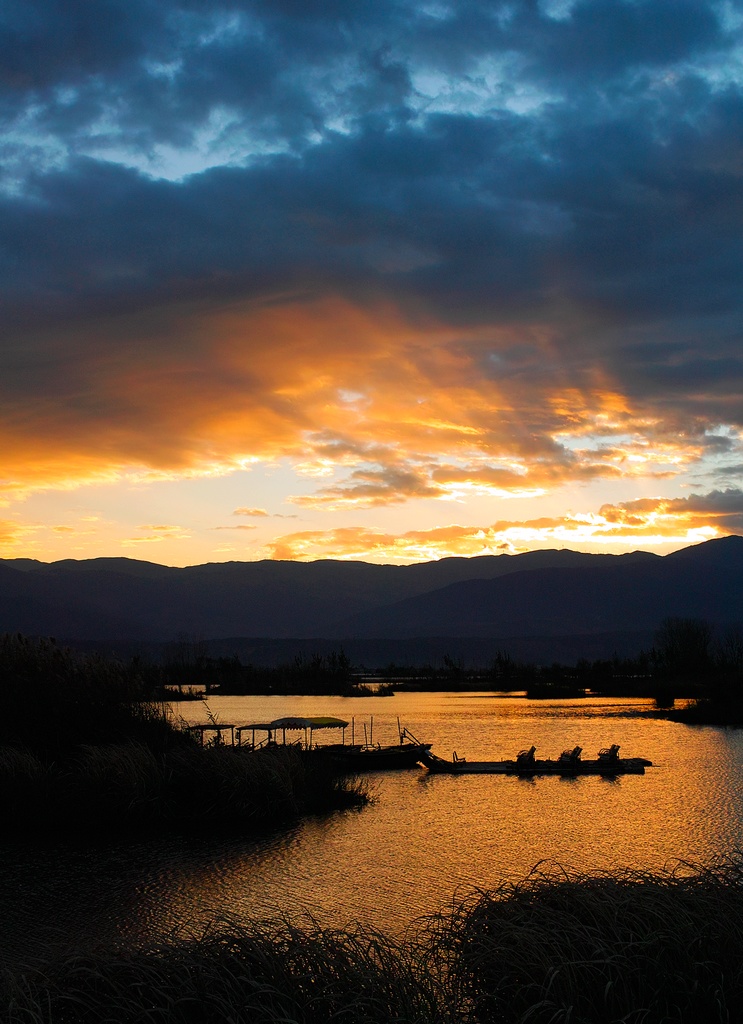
{"points": [[422, 843]]}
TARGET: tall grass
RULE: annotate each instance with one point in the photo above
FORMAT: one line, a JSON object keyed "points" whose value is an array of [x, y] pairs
{"points": [[129, 786], [630, 947], [269, 974], [262, 786], [81, 748], [24, 781], [620, 948], [55, 699]]}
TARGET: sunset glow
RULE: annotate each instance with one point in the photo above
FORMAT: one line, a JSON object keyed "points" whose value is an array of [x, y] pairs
{"points": [[325, 283]]}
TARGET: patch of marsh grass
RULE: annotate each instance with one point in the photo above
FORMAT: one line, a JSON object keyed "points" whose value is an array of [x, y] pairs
{"points": [[628, 946], [616, 948], [24, 781], [129, 786], [266, 974], [82, 748]]}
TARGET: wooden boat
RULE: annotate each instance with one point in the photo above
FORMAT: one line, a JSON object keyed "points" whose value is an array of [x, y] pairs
{"points": [[405, 754], [352, 757], [608, 762], [276, 731]]}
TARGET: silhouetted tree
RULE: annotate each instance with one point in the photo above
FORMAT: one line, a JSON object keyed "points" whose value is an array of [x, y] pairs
{"points": [[683, 649]]}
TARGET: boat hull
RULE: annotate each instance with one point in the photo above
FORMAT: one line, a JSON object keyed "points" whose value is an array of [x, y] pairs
{"points": [[389, 758]]}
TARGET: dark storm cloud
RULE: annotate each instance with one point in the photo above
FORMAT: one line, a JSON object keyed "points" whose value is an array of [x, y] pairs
{"points": [[605, 39], [471, 163], [489, 215], [154, 71]]}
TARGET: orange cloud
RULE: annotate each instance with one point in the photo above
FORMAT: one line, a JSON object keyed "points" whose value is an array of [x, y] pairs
{"points": [[158, 532], [381, 407], [13, 534], [721, 511], [374, 545], [647, 522]]}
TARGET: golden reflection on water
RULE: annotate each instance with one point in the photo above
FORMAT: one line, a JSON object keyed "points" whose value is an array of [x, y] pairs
{"points": [[424, 842], [428, 839]]}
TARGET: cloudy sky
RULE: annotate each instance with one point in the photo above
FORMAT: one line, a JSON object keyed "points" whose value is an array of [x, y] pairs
{"points": [[373, 279]]}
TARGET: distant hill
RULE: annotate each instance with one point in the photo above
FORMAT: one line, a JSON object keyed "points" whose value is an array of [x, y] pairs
{"points": [[624, 595], [554, 595], [113, 598]]}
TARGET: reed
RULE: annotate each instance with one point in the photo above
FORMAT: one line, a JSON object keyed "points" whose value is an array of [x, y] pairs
{"points": [[24, 782], [55, 700], [619, 948], [127, 785], [629, 946], [268, 974], [108, 786], [83, 749], [246, 787]]}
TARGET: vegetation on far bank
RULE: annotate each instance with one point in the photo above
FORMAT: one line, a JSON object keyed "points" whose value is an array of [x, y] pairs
{"points": [[629, 947], [84, 747], [689, 658]]}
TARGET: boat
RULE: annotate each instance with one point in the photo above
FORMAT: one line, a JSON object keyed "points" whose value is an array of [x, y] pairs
{"points": [[570, 762], [373, 757], [356, 757]]}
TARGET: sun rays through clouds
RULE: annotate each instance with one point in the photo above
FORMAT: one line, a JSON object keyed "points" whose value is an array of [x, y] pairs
{"points": [[426, 283]]}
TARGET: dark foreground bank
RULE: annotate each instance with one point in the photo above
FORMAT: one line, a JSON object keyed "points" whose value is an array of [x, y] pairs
{"points": [[625, 947], [130, 788], [84, 749]]}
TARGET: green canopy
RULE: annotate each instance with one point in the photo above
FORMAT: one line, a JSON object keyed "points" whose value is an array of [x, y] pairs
{"points": [[321, 722]]}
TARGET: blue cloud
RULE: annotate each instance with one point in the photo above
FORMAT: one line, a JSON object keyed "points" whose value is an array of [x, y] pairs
{"points": [[480, 161]]}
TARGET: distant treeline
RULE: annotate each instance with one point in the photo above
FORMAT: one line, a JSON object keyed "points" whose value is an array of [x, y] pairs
{"points": [[689, 658], [327, 674]]}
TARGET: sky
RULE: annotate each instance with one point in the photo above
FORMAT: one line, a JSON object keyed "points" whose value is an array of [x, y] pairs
{"points": [[370, 279]]}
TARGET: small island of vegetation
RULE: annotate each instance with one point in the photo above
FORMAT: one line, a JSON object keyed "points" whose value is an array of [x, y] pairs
{"points": [[84, 747]]}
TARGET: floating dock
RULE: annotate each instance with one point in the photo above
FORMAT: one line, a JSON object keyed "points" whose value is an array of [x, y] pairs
{"points": [[570, 762]]}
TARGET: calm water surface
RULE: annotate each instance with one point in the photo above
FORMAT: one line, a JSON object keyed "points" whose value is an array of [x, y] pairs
{"points": [[423, 842]]}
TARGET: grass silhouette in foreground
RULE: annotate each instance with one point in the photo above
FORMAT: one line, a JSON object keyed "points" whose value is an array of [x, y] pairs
{"points": [[555, 948]]}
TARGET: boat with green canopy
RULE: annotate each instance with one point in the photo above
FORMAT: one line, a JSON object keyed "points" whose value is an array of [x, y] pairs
{"points": [[291, 724], [350, 756]]}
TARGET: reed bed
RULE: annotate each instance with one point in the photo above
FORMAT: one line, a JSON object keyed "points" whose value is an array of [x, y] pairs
{"points": [[82, 748], [629, 947], [129, 786], [619, 948], [269, 974], [55, 700]]}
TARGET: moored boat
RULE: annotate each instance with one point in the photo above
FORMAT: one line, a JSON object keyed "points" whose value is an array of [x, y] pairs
{"points": [[356, 757], [405, 754], [570, 762]]}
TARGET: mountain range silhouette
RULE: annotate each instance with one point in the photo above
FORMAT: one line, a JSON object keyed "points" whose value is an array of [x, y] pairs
{"points": [[528, 598]]}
